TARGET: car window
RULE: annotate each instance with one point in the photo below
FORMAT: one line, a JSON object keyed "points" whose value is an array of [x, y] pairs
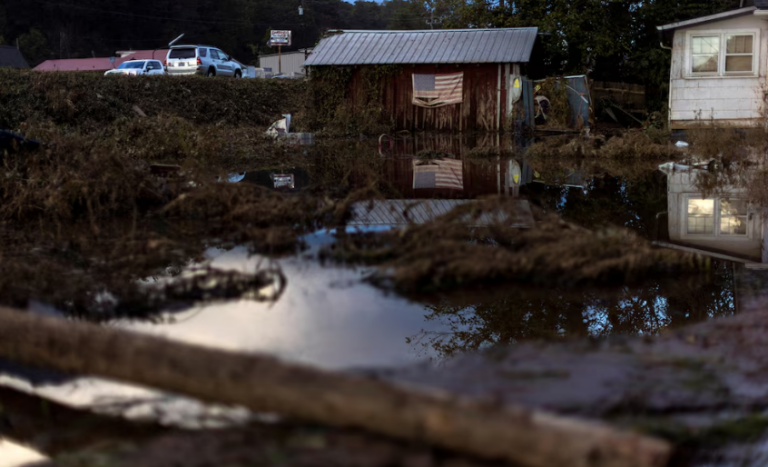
{"points": [[132, 65], [158, 65], [223, 55], [215, 54], [183, 53], [203, 52]]}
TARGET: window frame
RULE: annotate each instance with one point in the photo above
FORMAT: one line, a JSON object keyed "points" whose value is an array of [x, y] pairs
{"points": [[722, 52], [716, 234]]}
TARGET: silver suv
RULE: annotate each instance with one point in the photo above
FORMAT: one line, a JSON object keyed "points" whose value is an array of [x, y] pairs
{"points": [[202, 60]]}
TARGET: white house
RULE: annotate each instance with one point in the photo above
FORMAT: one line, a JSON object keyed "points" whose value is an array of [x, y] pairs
{"points": [[719, 68], [725, 225]]}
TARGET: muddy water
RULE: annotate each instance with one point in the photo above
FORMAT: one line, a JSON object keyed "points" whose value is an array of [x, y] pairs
{"points": [[329, 316]]}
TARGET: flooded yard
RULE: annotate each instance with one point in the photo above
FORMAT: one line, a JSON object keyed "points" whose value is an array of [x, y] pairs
{"points": [[451, 263]]}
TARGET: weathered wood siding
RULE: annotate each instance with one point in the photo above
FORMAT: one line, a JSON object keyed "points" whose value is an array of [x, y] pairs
{"points": [[486, 105], [728, 101], [481, 175]]}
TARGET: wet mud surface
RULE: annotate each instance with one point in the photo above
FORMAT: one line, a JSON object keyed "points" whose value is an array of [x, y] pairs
{"points": [[565, 306]]}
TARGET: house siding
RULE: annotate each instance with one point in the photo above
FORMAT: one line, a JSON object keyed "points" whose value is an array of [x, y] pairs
{"points": [[726, 101]]}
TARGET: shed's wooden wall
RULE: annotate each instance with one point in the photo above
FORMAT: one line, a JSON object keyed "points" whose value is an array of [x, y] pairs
{"points": [[728, 101], [486, 105]]}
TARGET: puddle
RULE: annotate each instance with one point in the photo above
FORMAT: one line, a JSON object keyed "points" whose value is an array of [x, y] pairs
{"points": [[330, 316], [16, 455]]}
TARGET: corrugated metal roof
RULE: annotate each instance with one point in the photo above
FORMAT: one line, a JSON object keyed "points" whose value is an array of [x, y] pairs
{"points": [[402, 212], [439, 46], [11, 57]]}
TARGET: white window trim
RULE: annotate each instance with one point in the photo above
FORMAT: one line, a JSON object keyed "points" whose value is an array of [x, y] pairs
{"points": [[756, 48], [716, 235]]}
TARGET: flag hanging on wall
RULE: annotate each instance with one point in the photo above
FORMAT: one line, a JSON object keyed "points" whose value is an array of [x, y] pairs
{"points": [[437, 90], [441, 173]]}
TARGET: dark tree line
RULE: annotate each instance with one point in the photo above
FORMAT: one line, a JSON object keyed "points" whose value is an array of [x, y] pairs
{"points": [[613, 40], [83, 28]]}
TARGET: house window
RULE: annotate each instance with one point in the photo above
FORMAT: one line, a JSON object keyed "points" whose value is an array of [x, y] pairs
{"points": [[716, 217], [733, 217], [715, 53], [705, 53]]}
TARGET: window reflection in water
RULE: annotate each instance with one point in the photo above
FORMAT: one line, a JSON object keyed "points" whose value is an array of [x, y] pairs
{"points": [[701, 216], [733, 217]]}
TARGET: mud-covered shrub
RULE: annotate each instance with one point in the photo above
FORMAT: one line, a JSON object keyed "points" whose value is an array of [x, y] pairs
{"points": [[709, 141], [91, 100], [445, 252], [636, 146]]}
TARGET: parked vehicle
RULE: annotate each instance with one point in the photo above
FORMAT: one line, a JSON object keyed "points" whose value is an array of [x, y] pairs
{"points": [[138, 67], [202, 60]]}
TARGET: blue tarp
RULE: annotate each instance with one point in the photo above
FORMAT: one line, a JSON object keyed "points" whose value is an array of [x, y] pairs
{"points": [[579, 100]]}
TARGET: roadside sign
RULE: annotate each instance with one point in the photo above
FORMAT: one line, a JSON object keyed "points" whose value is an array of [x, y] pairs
{"points": [[280, 38]]}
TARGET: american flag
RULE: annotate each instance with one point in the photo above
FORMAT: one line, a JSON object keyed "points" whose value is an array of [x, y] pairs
{"points": [[442, 173], [436, 90]]}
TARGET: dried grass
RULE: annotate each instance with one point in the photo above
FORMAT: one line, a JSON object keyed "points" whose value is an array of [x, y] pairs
{"points": [[446, 253], [98, 276]]}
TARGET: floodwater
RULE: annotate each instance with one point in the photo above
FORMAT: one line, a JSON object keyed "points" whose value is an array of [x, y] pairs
{"points": [[329, 316]]}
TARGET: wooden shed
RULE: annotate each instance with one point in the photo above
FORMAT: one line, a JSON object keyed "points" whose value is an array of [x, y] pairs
{"points": [[456, 80]]}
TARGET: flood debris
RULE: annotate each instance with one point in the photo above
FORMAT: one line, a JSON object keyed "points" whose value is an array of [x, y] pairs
{"points": [[629, 146], [110, 276], [261, 383], [12, 142], [702, 387], [445, 253]]}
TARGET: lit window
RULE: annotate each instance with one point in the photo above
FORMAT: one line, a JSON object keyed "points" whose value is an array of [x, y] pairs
{"points": [[705, 53], [733, 217], [716, 217], [722, 54], [701, 216]]}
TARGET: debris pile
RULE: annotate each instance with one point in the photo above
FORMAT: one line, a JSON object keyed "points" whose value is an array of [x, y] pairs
{"points": [[446, 253]]}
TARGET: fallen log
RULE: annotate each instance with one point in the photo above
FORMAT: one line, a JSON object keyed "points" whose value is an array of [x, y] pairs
{"points": [[262, 383]]}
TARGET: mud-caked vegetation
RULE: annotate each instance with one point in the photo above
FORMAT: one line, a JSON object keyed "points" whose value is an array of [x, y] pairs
{"points": [[447, 252]]}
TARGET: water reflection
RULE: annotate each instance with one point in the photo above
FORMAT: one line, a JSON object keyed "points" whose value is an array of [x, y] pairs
{"points": [[502, 317], [714, 219], [330, 317]]}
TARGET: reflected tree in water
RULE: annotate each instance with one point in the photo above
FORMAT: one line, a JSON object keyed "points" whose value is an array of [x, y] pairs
{"points": [[524, 314]]}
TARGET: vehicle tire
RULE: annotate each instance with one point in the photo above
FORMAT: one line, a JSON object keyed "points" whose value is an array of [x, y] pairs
{"points": [[238, 74], [211, 73]]}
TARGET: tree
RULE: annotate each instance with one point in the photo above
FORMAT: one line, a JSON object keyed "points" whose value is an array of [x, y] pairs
{"points": [[3, 25], [34, 46]]}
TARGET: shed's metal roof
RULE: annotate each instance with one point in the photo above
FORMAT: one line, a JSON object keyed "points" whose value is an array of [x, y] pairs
{"points": [[402, 212], [439, 46]]}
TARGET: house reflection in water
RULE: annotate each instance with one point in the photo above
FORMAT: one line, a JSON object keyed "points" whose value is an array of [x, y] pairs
{"points": [[723, 226]]}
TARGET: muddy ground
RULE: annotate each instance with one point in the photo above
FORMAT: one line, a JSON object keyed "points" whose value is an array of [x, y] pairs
{"points": [[117, 199]]}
